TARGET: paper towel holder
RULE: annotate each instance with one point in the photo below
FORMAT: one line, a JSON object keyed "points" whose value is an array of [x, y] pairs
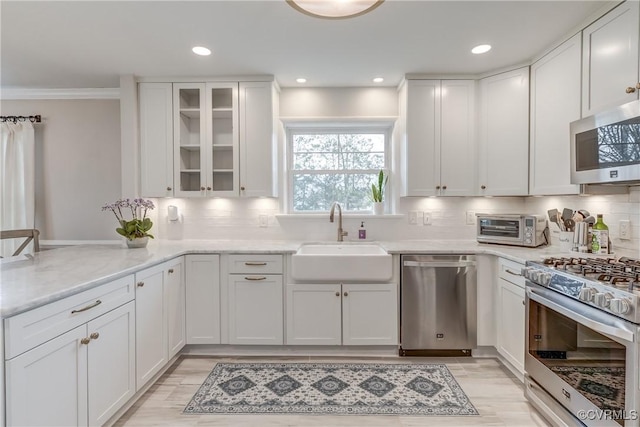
{"points": [[172, 213]]}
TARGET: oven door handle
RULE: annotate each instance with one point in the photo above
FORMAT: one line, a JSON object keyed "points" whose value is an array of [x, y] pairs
{"points": [[619, 332]]}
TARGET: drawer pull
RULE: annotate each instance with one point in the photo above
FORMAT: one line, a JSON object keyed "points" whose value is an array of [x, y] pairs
{"points": [[170, 270], [255, 278], [89, 307], [140, 284], [85, 341], [512, 273], [94, 336], [255, 263]]}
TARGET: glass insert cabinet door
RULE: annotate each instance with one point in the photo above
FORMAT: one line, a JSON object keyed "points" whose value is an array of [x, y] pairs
{"points": [[206, 139]]}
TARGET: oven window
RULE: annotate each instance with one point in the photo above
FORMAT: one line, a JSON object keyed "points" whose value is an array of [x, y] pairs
{"points": [[500, 228], [609, 146], [592, 364]]}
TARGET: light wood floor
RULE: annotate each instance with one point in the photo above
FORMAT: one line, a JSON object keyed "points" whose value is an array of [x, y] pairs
{"points": [[493, 390]]}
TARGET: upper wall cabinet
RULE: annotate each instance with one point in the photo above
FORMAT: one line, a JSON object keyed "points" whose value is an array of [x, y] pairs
{"points": [[439, 148], [504, 134], [555, 102], [217, 141], [610, 59], [156, 139]]}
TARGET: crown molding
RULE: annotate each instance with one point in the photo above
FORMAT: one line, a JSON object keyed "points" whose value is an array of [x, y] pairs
{"points": [[68, 93]]}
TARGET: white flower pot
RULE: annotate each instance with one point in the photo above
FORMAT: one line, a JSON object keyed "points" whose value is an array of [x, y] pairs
{"points": [[140, 242], [378, 208]]}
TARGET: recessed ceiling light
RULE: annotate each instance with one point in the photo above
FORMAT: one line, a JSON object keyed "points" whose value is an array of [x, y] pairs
{"points": [[483, 48], [301, 80], [378, 80], [200, 50]]}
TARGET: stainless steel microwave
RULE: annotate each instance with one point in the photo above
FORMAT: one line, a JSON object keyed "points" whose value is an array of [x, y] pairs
{"points": [[605, 147], [512, 229]]}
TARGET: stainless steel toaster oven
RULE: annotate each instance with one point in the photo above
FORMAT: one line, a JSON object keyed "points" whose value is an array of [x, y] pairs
{"points": [[512, 229]]}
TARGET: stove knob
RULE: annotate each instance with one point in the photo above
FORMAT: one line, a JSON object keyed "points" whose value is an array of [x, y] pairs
{"points": [[603, 299], [545, 278], [620, 306], [587, 294]]}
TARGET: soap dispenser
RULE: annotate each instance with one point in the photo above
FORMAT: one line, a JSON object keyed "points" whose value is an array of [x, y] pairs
{"points": [[362, 233]]}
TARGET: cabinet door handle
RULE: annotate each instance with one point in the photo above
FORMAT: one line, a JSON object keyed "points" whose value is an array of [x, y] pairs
{"points": [[337, 294], [631, 89], [484, 187], [255, 263], [437, 187], [94, 336], [444, 187], [209, 188], [346, 294], [89, 307], [202, 188], [512, 273], [168, 188], [242, 188], [170, 271], [85, 341], [140, 284], [255, 278]]}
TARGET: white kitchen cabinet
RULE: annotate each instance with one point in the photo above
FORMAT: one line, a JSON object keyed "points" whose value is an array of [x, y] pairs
{"points": [[439, 148], [159, 317], [205, 139], [156, 139], [255, 309], [81, 377], [175, 311], [555, 103], [348, 314], [258, 103], [504, 134], [610, 59], [202, 277], [510, 314], [314, 314]]}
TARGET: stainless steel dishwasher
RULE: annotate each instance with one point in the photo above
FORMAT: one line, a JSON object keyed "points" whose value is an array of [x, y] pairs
{"points": [[438, 305]]}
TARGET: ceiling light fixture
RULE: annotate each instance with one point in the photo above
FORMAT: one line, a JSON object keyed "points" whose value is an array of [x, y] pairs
{"points": [[483, 48], [378, 80], [301, 80], [334, 9], [200, 50]]}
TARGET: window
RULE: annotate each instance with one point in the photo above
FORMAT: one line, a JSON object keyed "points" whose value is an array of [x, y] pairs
{"points": [[334, 165]]}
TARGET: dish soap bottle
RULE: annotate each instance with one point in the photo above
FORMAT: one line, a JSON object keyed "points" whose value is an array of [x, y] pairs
{"points": [[600, 239], [362, 233]]}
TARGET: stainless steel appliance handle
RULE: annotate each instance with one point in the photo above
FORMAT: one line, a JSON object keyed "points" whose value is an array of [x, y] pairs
{"points": [[618, 332], [430, 264]]}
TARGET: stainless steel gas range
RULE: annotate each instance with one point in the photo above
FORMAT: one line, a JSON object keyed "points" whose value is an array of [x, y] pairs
{"points": [[582, 347]]}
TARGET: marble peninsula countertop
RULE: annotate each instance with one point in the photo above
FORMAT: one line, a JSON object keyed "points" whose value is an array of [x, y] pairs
{"points": [[30, 281]]}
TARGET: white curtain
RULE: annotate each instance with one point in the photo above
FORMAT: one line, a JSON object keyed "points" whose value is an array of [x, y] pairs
{"points": [[17, 181]]}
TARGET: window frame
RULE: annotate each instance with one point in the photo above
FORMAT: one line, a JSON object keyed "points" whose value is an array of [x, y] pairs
{"points": [[385, 129]]}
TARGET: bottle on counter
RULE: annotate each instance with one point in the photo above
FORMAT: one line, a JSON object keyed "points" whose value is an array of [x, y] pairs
{"points": [[600, 239], [362, 232]]}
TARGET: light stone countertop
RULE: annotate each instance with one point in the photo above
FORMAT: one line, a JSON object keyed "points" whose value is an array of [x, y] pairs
{"points": [[31, 281]]}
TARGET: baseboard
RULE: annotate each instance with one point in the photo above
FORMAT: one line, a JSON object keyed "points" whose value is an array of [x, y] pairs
{"points": [[293, 351]]}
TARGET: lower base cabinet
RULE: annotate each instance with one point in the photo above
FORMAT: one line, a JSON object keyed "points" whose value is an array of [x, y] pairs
{"points": [[79, 378], [510, 314], [347, 314]]}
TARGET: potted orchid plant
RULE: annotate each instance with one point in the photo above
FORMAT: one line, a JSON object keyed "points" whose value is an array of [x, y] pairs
{"points": [[136, 229]]}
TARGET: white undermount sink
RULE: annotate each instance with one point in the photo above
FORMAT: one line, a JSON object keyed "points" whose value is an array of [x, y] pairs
{"points": [[341, 262]]}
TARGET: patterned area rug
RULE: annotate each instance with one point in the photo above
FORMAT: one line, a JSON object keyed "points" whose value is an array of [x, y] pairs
{"points": [[604, 386], [330, 388]]}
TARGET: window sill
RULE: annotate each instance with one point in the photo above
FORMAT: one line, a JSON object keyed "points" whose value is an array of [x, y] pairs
{"points": [[367, 216]]}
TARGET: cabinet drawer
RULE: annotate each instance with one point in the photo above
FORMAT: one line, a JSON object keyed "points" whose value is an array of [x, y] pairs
{"points": [[252, 264], [32, 328], [511, 271]]}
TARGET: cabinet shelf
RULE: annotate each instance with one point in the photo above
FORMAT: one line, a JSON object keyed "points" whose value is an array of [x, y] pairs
{"points": [[222, 113], [190, 171], [192, 113], [223, 171], [190, 147], [222, 146]]}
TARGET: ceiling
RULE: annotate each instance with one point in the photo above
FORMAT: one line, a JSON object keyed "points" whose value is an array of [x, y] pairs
{"points": [[88, 44]]}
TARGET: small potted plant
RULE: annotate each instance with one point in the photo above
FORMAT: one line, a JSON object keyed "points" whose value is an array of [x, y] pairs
{"points": [[377, 193], [136, 230]]}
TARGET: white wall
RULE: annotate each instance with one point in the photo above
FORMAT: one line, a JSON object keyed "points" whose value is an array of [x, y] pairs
{"points": [[77, 165], [339, 102]]}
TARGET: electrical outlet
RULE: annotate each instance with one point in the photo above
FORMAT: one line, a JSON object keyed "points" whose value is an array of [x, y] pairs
{"points": [[413, 217], [263, 220], [471, 218], [624, 228], [426, 218]]}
